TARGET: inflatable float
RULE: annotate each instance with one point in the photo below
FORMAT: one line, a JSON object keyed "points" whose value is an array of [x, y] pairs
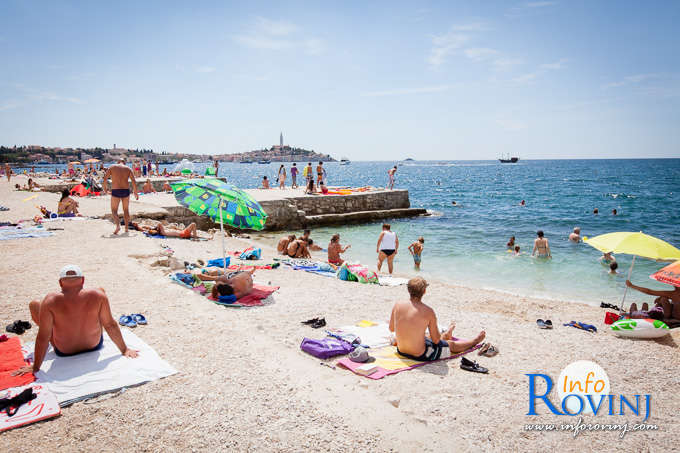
{"points": [[640, 328]]}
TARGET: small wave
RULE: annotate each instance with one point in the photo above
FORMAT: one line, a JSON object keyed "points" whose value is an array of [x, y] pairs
{"points": [[433, 213]]}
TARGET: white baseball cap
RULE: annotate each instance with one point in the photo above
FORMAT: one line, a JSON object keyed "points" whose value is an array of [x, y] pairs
{"points": [[70, 271]]}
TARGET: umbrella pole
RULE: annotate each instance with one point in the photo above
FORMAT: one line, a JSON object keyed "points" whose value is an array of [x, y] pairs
{"points": [[630, 271], [224, 253]]}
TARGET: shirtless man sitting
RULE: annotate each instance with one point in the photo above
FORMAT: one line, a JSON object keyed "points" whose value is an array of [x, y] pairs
{"points": [[541, 246], [409, 322], [148, 187], [669, 301], [73, 321], [310, 243], [120, 175], [576, 235], [283, 244], [335, 249]]}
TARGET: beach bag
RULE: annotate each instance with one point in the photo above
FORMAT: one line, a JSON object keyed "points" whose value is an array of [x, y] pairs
{"points": [[251, 254], [345, 274], [610, 318], [362, 274], [325, 348]]}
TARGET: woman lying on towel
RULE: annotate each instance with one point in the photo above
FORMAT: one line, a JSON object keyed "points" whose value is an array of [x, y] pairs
{"points": [[190, 232]]}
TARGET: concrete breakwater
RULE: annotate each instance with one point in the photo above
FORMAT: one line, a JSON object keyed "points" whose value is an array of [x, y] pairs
{"points": [[287, 209]]}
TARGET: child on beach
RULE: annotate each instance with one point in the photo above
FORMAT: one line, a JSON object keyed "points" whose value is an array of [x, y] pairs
{"points": [[612, 268], [416, 250], [265, 182]]}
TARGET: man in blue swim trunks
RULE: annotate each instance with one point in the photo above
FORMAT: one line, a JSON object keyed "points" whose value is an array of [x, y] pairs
{"points": [[73, 321], [411, 320], [121, 175]]}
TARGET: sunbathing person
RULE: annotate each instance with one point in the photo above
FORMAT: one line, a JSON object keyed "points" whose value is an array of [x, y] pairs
{"points": [[148, 187], [67, 205], [166, 187], [190, 232], [645, 312], [239, 283], [73, 321], [298, 249], [283, 244], [668, 300], [410, 320], [335, 249]]}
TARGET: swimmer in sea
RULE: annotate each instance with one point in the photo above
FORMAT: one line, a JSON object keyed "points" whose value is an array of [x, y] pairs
{"points": [[596, 211], [511, 243], [576, 235], [517, 252], [613, 211], [612, 268], [523, 203], [607, 258], [541, 246]]}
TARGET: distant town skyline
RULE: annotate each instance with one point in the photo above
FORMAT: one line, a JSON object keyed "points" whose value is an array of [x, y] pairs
{"points": [[380, 81]]}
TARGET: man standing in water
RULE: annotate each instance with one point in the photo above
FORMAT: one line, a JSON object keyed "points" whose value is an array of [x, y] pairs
{"points": [[120, 175], [541, 246], [388, 244]]}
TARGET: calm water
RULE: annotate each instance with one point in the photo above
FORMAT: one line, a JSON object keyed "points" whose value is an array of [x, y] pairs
{"points": [[466, 244]]}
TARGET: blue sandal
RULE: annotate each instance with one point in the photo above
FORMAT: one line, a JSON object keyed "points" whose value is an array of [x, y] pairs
{"points": [[127, 321], [138, 318]]}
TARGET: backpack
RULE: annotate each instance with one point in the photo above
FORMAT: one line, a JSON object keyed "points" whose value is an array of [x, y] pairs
{"points": [[325, 348]]}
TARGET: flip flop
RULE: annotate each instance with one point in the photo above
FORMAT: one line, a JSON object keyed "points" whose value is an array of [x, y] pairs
{"points": [[484, 348], [548, 324], [309, 322], [541, 324], [16, 328], [320, 323], [25, 324], [139, 319], [469, 365], [490, 351], [127, 321]]}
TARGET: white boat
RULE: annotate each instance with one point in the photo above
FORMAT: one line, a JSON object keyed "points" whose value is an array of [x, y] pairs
{"points": [[344, 161]]}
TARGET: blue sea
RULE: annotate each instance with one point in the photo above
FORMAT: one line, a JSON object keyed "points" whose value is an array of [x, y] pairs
{"points": [[466, 245]]}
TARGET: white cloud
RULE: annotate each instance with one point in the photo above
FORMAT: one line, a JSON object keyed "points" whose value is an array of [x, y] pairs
{"points": [[504, 63], [524, 78], [632, 79], [276, 28], [445, 45], [539, 4], [511, 124], [480, 53], [403, 91], [268, 34], [205, 69], [557, 65]]}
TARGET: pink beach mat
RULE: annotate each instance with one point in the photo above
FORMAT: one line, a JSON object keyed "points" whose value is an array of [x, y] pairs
{"points": [[389, 362], [254, 299]]}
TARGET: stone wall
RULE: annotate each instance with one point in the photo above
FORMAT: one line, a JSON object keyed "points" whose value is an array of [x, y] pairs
{"points": [[341, 204]]}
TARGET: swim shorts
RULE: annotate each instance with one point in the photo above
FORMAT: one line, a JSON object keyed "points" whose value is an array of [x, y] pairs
{"points": [[96, 348], [416, 258], [388, 252], [433, 351], [185, 234], [120, 193]]}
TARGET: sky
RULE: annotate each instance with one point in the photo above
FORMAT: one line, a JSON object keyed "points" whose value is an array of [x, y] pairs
{"points": [[386, 80]]}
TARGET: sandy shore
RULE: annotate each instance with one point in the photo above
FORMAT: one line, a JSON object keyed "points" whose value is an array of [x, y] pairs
{"points": [[244, 384]]}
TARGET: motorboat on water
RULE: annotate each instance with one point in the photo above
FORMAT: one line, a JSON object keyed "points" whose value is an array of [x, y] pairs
{"points": [[344, 161]]}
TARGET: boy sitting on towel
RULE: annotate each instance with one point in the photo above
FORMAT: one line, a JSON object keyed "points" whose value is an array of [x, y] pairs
{"points": [[410, 320], [73, 321]]}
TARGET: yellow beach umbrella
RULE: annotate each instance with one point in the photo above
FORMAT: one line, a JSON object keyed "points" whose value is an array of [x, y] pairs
{"points": [[91, 161], [636, 244]]}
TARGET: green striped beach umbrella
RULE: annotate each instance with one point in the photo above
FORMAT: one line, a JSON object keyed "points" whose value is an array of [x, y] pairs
{"points": [[222, 202]]}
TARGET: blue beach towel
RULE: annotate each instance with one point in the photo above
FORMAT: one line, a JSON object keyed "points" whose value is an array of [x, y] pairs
{"points": [[218, 262], [251, 254], [7, 233]]}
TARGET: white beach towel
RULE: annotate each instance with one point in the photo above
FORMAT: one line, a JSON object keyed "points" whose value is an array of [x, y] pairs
{"points": [[91, 374], [387, 280], [376, 336]]}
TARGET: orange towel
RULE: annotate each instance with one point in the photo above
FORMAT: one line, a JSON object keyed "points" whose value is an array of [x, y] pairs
{"points": [[11, 359]]}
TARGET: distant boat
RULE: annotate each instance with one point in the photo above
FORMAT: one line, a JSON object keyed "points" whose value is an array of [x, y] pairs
{"points": [[42, 162], [245, 161], [408, 159], [509, 160], [264, 161], [344, 161]]}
